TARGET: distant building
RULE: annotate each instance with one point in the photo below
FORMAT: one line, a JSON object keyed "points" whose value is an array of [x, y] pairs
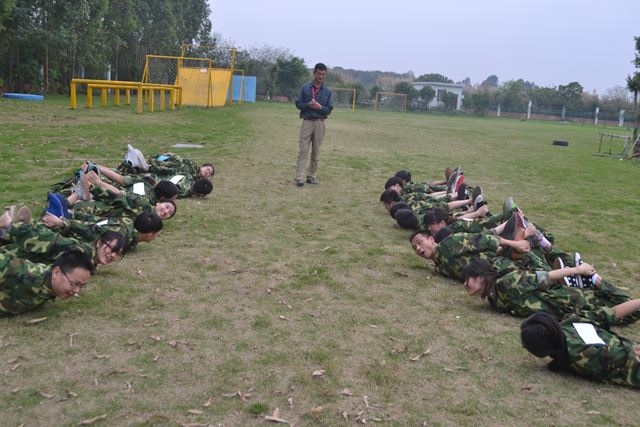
{"points": [[440, 89]]}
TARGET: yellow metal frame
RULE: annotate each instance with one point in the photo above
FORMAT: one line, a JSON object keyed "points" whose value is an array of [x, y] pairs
{"points": [[404, 103], [347, 89], [115, 85]]}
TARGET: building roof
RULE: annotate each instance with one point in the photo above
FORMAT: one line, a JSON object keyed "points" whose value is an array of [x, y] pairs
{"points": [[451, 85]]}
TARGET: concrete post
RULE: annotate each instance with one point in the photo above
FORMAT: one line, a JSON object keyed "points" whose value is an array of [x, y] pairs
{"points": [[499, 107], [529, 111], [595, 118], [621, 119]]}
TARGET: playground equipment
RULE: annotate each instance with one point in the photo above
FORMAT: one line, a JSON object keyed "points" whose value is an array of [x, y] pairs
{"points": [[185, 80], [391, 101], [174, 92], [613, 145]]}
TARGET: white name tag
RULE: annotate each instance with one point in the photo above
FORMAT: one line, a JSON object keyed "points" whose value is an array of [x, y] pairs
{"points": [[176, 179], [103, 222], [588, 334], [138, 188]]}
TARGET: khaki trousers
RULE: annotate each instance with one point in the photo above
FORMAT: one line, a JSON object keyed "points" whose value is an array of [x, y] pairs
{"points": [[311, 135]]}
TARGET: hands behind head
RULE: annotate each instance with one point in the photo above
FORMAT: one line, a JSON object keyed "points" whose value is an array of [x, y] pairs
{"points": [[585, 269], [522, 246]]}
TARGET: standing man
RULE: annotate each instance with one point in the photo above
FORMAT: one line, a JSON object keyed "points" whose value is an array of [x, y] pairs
{"points": [[315, 104]]}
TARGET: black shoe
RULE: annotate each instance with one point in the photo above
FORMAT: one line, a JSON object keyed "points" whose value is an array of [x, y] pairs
{"points": [[299, 182], [312, 180], [462, 192], [477, 191]]}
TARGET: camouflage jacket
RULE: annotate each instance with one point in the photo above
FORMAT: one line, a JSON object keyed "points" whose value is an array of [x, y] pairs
{"points": [[613, 362], [108, 204], [39, 244], [24, 285], [173, 165], [522, 293], [458, 250], [90, 229]]}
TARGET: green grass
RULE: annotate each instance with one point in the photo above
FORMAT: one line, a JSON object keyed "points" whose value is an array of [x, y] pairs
{"points": [[259, 285]]}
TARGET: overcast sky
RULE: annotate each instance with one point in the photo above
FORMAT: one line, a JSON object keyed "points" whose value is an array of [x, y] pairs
{"points": [[549, 42]]}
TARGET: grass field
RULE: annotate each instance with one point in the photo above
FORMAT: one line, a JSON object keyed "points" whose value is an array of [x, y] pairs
{"points": [[226, 316]]}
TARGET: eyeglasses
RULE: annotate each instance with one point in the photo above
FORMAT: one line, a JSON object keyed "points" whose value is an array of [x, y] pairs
{"points": [[112, 248], [73, 284]]}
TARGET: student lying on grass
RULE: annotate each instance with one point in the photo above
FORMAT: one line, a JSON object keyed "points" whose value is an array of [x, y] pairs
{"points": [[26, 285], [585, 346], [522, 293]]}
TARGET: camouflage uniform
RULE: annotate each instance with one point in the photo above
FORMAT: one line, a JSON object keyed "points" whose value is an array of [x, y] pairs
{"points": [[108, 204], [91, 229], [615, 362], [39, 244], [419, 187], [522, 293], [24, 285], [174, 165], [458, 250]]}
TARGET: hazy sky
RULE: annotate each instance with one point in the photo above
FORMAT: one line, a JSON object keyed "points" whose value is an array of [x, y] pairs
{"points": [[544, 41]]}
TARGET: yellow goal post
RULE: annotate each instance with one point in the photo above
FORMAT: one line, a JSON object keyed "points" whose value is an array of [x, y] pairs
{"points": [[391, 101], [344, 96]]}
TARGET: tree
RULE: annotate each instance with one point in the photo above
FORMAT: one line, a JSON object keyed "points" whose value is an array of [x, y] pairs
{"points": [[571, 96], [434, 77], [406, 88], [426, 95], [479, 100], [448, 100], [633, 83], [512, 95], [491, 81], [288, 76]]}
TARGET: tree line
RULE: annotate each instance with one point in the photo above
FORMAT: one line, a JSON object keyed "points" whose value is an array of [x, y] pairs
{"points": [[46, 43]]}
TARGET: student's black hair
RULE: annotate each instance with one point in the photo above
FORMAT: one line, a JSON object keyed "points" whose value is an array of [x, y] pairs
{"points": [[389, 196], [213, 169], [150, 180], [435, 215], [118, 237], [442, 234], [404, 175], [147, 222], [165, 190], [392, 181], [415, 233], [72, 259], [396, 207], [202, 187], [407, 219], [319, 66], [481, 268], [542, 335]]}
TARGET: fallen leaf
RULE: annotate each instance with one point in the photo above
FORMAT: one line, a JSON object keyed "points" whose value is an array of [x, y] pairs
{"points": [[90, 421], [318, 372], [101, 356], [449, 370], [281, 317], [155, 358], [146, 325], [14, 367], [366, 401], [35, 321], [276, 412], [326, 249], [399, 273], [290, 401], [345, 416], [526, 388], [45, 395], [127, 386], [173, 344], [374, 326], [156, 337], [346, 392], [208, 402], [593, 412], [316, 410], [139, 272], [275, 417], [424, 353], [195, 412]]}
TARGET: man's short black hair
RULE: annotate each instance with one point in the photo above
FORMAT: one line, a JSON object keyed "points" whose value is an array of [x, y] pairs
{"points": [[396, 207], [407, 219], [320, 66], [202, 187], [414, 234], [434, 216], [165, 190], [72, 259], [389, 196], [442, 234], [404, 175], [147, 222], [392, 181]]}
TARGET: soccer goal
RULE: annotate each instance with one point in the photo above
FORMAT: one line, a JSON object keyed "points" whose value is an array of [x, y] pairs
{"points": [[344, 97], [391, 101]]}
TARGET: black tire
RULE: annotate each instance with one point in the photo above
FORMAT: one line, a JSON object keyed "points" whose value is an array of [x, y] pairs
{"points": [[561, 143]]}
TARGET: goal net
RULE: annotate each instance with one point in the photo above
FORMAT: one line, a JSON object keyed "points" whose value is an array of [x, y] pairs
{"points": [[344, 97], [390, 101]]}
